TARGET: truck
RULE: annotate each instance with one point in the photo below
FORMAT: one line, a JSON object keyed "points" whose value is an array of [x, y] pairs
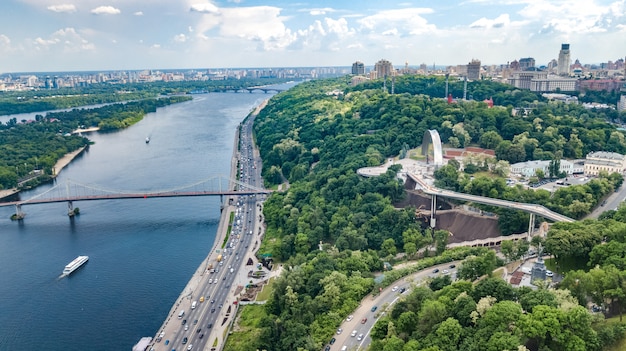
{"points": [[219, 257]]}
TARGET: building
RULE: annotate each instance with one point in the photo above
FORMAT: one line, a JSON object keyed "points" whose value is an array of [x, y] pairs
{"points": [[541, 81], [563, 65], [621, 105], [473, 70], [530, 168], [599, 84], [358, 68], [384, 68], [526, 63], [610, 162], [356, 80]]}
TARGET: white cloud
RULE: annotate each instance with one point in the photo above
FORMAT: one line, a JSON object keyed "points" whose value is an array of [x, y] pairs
{"points": [[68, 8], [138, 13], [498, 22], [320, 11], [4, 40], [156, 46], [67, 39], [391, 32], [180, 38], [407, 21], [204, 8], [572, 17], [106, 10], [262, 25]]}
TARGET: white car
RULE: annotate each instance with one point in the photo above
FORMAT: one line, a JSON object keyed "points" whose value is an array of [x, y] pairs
{"points": [[360, 337], [445, 271], [349, 318], [353, 333], [339, 331], [394, 289], [189, 347], [549, 273]]}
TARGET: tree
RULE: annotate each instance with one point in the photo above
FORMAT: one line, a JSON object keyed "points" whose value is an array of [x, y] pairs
{"points": [[388, 248], [490, 140]]}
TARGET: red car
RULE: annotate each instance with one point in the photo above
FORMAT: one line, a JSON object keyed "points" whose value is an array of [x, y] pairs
{"points": [[363, 321]]}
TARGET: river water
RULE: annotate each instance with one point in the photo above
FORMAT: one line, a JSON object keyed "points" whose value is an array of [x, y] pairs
{"points": [[142, 251]]}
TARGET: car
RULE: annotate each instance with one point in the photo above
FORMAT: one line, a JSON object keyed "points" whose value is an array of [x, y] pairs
{"points": [[186, 327], [184, 321], [189, 347], [339, 331], [220, 306], [332, 341], [212, 301], [360, 337], [327, 348], [452, 266], [549, 273], [199, 329], [210, 325], [184, 340], [603, 203], [364, 320], [374, 308], [402, 290], [395, 288], [195, 322], [353, 333], [201, 336], [212, 310], [436, 270], [210, 280], [167, 342], [349, 318], [445, 271]]}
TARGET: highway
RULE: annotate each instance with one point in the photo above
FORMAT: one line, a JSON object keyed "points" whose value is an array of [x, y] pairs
{"points": [[203, 328], [386, 298]]}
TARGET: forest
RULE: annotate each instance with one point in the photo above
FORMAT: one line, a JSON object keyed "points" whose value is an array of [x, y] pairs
{"points": [[38, 145], [101, 93], [315, 139]]}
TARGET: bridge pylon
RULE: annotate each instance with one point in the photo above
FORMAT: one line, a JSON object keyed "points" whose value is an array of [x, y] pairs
{"points": [[531, 226], [19, 215], [433, 207]]}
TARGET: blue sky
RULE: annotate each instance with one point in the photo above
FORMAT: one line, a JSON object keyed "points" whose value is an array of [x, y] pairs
{"points": [[70, 35]]}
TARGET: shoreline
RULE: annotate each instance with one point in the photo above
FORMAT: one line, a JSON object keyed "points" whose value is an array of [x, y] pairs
{"points": [[58, 166], [86, 130], [65, 160]]}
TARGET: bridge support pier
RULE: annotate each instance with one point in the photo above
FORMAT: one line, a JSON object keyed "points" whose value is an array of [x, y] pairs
{"points": [[221, 203], [433, 207], [70, 209], [531, 226], [19, 215]]}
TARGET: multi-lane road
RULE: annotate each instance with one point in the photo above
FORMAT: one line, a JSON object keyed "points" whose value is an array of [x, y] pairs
{"points": [[213, 288], [354, 332]]}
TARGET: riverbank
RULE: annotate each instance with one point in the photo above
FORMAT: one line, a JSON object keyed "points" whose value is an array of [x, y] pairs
{"points": [[65, 160], [86, 130]]}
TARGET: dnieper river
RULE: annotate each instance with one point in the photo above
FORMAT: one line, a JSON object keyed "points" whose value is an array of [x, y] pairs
{"points": [[141, 252]]}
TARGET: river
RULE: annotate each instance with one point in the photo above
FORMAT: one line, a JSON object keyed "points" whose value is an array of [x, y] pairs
{"points": [[142, 252]]}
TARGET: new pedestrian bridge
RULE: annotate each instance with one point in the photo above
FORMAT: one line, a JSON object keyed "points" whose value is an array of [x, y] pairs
{"points": [[70, 191], [533, 209]]}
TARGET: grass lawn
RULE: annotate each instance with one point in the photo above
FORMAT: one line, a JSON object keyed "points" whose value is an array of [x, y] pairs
{"points": [[265, 294], [620, 345], [566, 265], [246, 330]]}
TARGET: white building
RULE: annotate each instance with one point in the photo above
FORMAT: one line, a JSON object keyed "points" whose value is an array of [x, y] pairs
{"points": [[599, 161], [529, 168]]}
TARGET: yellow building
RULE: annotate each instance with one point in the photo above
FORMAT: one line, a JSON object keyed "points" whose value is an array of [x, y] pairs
{"points": [[610, 162]]}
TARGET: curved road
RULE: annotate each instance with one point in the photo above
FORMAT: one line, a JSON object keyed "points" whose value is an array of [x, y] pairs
{"points": [[386, 298]]}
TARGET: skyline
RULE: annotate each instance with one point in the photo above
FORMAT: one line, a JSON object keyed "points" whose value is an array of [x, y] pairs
{"points": [[86, 35]]}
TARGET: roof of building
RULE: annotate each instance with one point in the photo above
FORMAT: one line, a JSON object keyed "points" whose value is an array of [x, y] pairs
{"points": [[606, 155]]}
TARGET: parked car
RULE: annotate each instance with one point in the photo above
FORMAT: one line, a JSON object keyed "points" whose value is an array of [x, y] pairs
{"points": [[364, 320], [374, 308]]}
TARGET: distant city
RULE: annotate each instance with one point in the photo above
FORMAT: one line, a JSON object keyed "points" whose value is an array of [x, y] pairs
{"points": [[559, 75]]}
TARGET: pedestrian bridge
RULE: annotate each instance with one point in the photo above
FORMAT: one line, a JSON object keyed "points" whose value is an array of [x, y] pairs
{"points": [[533, 209], [70, 191]]}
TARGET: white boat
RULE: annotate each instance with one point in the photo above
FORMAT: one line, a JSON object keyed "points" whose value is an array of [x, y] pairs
{"points": [[75, 264], [147, 140]]}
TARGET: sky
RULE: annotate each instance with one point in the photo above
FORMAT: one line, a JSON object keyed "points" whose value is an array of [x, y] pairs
{"points": [[76, 35]]}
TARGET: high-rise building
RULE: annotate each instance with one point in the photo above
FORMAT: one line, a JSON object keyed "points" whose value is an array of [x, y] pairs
{"points": [[473, 70], [358, 68], [383, 69], [563, 64], [526, 63]]}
